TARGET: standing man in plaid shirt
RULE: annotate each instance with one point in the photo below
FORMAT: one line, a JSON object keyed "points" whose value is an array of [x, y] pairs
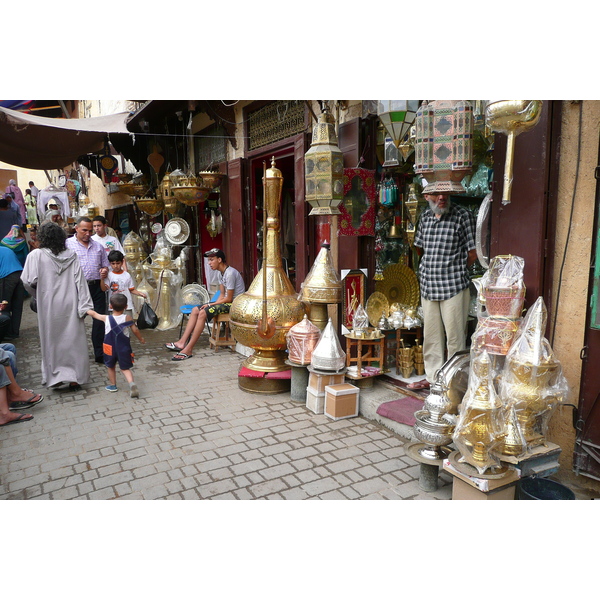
{"points": [[95, 265], [445, 241]]}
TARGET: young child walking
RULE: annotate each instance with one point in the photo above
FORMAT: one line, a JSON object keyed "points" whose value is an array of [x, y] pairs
{"points": [[119, 281], [117, 345]]}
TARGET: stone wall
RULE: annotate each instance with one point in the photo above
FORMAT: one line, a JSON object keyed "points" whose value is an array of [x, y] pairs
{"points": [[575, 191]]}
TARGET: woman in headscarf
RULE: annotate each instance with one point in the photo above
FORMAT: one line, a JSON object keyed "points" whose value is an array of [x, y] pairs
{"points": [[15, 240], [53, 275], [13, 188]]}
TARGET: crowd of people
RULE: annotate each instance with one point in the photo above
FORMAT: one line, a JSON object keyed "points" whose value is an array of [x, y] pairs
{"points": [[71, 272]]}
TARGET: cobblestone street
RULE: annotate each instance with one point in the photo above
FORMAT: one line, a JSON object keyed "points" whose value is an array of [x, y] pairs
{"points": [[193, 434]]}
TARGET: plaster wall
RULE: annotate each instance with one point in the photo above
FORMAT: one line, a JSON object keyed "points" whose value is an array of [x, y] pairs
{"points": [[24, 176], [573, 244]]}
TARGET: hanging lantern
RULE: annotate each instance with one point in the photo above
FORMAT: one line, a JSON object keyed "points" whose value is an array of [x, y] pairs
{"points": [[444, 145], [324, 169], [397, 116]]}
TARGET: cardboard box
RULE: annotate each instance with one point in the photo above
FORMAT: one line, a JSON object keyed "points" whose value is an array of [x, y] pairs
{"points": [[465, 491], [341, 401], [466, 487], [315, 400], [317, 382]]}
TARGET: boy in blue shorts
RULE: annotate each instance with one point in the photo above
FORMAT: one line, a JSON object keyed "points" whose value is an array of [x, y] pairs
{"points": [[117, 345]]}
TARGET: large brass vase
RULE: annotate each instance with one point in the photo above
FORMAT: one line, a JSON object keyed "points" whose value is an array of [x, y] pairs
{"points": [[261, 317]]}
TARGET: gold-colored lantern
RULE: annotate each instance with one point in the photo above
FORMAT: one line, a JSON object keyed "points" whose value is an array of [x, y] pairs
{"points": [[261, 317], [479, 433], [324, 169], [151, 206], [321, 287]]}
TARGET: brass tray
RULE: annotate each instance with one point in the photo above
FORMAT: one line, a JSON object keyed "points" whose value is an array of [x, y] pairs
{"points": [[376, 305], [399, 285], [194, 294]]}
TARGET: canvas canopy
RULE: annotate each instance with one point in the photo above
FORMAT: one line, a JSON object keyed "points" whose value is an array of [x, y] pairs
{"points": [[43, 143]]}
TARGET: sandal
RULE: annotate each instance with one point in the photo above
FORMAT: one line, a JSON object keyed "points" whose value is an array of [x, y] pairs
{"points": [[35, 399], [20, 419], [419, 385], [181, 356], [172, 347]]}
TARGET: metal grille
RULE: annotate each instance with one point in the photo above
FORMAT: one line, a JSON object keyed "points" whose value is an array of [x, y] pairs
{"points": [[210, 148], [275, 122]]}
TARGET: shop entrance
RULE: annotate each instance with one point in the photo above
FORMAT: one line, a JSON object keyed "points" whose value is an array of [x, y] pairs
{"points": [[284, 161]]}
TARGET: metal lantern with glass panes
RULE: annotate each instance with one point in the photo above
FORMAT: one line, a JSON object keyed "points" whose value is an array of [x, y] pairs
{"points": [[397, 117], [324, 169]]}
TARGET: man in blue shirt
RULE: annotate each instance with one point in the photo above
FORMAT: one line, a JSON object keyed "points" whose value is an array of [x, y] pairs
{"points": [[11, 290]]}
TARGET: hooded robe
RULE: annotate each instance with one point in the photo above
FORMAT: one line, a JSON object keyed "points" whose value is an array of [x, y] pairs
{"points": [[63, 298]]}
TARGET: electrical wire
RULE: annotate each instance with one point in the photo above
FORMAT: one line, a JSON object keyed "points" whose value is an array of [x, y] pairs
{"points": [[564, 258]]}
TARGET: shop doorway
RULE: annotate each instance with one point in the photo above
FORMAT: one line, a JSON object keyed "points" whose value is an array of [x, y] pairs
{"points": [[284, 161]]}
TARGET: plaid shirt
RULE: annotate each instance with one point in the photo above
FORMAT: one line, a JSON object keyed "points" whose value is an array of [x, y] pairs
{"points": [[91, 258], [445, 243]]}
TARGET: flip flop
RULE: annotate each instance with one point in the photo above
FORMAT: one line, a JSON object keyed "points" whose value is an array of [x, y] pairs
{"points": [[172, 347], [27, 403], [20, 419], [419, 385], [182, 356]]}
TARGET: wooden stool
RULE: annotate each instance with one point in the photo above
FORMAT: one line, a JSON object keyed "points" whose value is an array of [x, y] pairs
{"points": [[216, 339]]}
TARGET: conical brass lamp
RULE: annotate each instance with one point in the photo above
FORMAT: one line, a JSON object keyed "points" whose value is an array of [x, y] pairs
{"points": [[261, 317], [321, 287]]}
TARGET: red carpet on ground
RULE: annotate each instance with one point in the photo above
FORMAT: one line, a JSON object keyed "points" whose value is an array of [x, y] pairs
{"points": [[401, 410]]}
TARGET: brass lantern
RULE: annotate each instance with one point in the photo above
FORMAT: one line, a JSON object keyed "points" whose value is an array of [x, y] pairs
{"points": [[324, 169]]}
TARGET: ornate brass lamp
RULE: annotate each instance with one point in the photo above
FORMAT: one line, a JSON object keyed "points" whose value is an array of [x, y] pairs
{"points": [[262, 316], [151, 206], [324, 169], [479, 433], [321, 287]]}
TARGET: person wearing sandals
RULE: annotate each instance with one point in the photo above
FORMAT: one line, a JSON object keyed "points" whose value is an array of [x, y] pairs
{"points": [[117, 345], [445, 241], [231, 285]]}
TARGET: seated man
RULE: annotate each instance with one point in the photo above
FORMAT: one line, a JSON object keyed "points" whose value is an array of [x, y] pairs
{"points": [[13, 396], [231, 285]]}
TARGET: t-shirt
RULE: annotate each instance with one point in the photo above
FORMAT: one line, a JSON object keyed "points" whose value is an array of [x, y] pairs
{"points": [[109, 243], [232, 280], [120, 319], [120, 283]]}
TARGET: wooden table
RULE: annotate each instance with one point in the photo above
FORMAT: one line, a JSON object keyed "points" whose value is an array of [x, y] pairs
{"points": [[365, 352]]}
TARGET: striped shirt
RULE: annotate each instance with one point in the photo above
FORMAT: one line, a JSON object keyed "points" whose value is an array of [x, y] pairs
{"points": [[92, 258], [445, 242]]}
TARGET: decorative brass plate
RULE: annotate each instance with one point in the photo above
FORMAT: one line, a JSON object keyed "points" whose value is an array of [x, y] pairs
{"points": [[399, 285], [194, 294], [376, 305]]}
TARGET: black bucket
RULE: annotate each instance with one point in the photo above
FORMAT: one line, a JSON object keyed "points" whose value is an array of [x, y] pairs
{"points": [[543, 489]]}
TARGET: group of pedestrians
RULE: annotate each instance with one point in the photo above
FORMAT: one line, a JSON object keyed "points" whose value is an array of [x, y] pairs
{"points": [[65, 275]]}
